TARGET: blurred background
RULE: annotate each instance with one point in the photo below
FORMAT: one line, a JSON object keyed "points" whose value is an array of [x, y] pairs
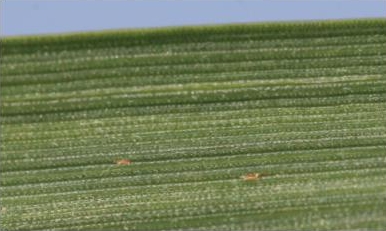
{"points": [[46, 17]]}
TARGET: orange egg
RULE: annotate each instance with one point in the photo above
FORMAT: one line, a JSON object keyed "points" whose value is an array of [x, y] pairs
{"points": [[123, 162], [251, 176]]}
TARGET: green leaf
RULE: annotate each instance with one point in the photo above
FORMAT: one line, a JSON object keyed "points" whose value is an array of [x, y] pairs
{"points": [[195, 109]]}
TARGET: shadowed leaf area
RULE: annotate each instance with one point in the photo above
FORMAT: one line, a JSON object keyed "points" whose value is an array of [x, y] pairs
{"points": [[270, 126]]}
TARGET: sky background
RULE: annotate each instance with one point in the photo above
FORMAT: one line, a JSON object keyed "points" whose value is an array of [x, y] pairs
{"points": [[46, 17]]}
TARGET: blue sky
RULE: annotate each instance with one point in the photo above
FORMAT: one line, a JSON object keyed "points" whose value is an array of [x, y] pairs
{"points": [[45, 17]]}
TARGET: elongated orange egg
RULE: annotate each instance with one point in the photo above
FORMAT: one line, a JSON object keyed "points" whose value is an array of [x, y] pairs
{"points": [[123, 162]]}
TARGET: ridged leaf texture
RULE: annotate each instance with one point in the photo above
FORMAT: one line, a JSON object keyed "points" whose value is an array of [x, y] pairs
{"points": [[190, 111]]}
